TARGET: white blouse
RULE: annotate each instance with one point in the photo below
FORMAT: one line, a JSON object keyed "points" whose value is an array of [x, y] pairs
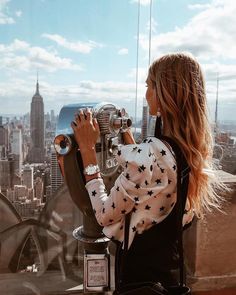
{"points": [[147, 187]]}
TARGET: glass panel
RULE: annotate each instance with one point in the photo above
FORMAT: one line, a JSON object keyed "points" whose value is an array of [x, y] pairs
{"points": [[59, 53]]}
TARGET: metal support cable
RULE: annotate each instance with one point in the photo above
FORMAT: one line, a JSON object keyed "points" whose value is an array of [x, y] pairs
{"points": [[137, 62], [150, 34]]}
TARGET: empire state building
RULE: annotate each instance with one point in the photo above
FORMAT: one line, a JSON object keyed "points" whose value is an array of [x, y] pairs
{"points": [[36, 153]]}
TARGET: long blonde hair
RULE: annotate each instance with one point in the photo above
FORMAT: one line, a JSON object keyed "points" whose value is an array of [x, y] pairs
{"points": [[180, 89]]}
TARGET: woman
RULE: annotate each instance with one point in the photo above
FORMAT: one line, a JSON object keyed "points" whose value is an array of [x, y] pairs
{"points": [[147, 185]]}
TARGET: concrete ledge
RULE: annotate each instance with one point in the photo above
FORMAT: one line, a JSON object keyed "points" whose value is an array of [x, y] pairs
{"points": [[210, 250], [212, 283]]}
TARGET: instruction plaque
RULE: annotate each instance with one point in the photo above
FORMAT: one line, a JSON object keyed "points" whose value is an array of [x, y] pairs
{"points": [[96, 272]]}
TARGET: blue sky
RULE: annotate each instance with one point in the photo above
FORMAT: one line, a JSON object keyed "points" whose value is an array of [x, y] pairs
{"points": [[85, 50]]}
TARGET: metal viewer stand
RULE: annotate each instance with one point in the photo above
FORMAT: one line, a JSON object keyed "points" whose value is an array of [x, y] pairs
{"points": [[111, 121]]}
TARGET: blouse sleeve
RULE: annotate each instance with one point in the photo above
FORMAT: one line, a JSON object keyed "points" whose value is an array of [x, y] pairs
{"points": [[147, 187]]}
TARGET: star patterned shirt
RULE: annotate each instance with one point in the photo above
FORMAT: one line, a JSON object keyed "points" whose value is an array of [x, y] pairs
{"points": [[147, 187]]}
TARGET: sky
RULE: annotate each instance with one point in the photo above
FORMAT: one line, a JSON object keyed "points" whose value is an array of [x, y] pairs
{"points": [[94, 50]]}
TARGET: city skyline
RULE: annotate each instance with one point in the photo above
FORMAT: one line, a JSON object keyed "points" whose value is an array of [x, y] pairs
{"points": [[92, 56]]}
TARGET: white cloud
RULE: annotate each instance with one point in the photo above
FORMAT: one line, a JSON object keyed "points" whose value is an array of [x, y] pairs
{"points": [[18, 13], [153, 25], [20, 55], [21, 90], [123, 51], [6, 17], [226, 72], [208, 35], [78, 46], [198, 6]]}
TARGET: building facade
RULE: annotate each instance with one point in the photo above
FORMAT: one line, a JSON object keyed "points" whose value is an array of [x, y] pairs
{"points": [[36, 153], [56, 177]]}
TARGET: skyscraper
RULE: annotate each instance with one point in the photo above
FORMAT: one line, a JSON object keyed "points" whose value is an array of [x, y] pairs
{"points": [[4, 139], [16, 148], [27, 176], [56, 177], [36, 154]]}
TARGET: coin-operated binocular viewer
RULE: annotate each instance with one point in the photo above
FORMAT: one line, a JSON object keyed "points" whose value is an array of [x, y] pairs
{"points": [[112, 121]]}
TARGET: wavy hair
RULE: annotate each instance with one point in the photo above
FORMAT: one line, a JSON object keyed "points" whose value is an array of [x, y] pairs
{"points": [[180, 90]]}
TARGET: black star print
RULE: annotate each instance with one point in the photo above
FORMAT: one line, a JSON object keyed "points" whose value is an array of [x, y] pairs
{"points": [[119, 153], [136, 199], [158, 181], [94, 193], [150, 193], [163, 153], [154, 222], [185, 211], [135, 148], [162, 170], [169, 181], [103, 210], [113, 205], [137, 186], [134, 209], [143, 222], [146, 182], [123, 211], [155, 160], [149, 155], [134, 229], [126, 164], [147, 207], [125, 200], [139, 151], [168, 195], [142, 168], [127, 176], [150, 141], [162, 208], [145, 140], [174, 167], [94, 211], [118, 188], [151, 168], [111, 220]]}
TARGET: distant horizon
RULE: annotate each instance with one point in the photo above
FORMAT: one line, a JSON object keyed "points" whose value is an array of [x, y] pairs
{"points": [[11, 116]]}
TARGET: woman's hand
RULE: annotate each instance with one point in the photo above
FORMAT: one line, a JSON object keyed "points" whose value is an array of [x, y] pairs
{"points": [[86, 130], [128, 137]]}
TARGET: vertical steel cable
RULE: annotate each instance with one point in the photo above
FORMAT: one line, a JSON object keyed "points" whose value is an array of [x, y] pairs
{"points": [[150, 34], [137, 59], [145, 122]]}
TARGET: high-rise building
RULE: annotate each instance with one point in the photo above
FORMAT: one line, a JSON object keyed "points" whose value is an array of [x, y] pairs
{"points": [[56, 177], [38, 189], [28, 177], [5, 175], [145, 122], [36, 153], [4, 139], [7, 178], [16, 148], [52, 115]]}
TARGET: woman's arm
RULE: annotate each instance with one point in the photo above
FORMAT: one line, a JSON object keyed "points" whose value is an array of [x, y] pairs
{"points": [[86, 131]]}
